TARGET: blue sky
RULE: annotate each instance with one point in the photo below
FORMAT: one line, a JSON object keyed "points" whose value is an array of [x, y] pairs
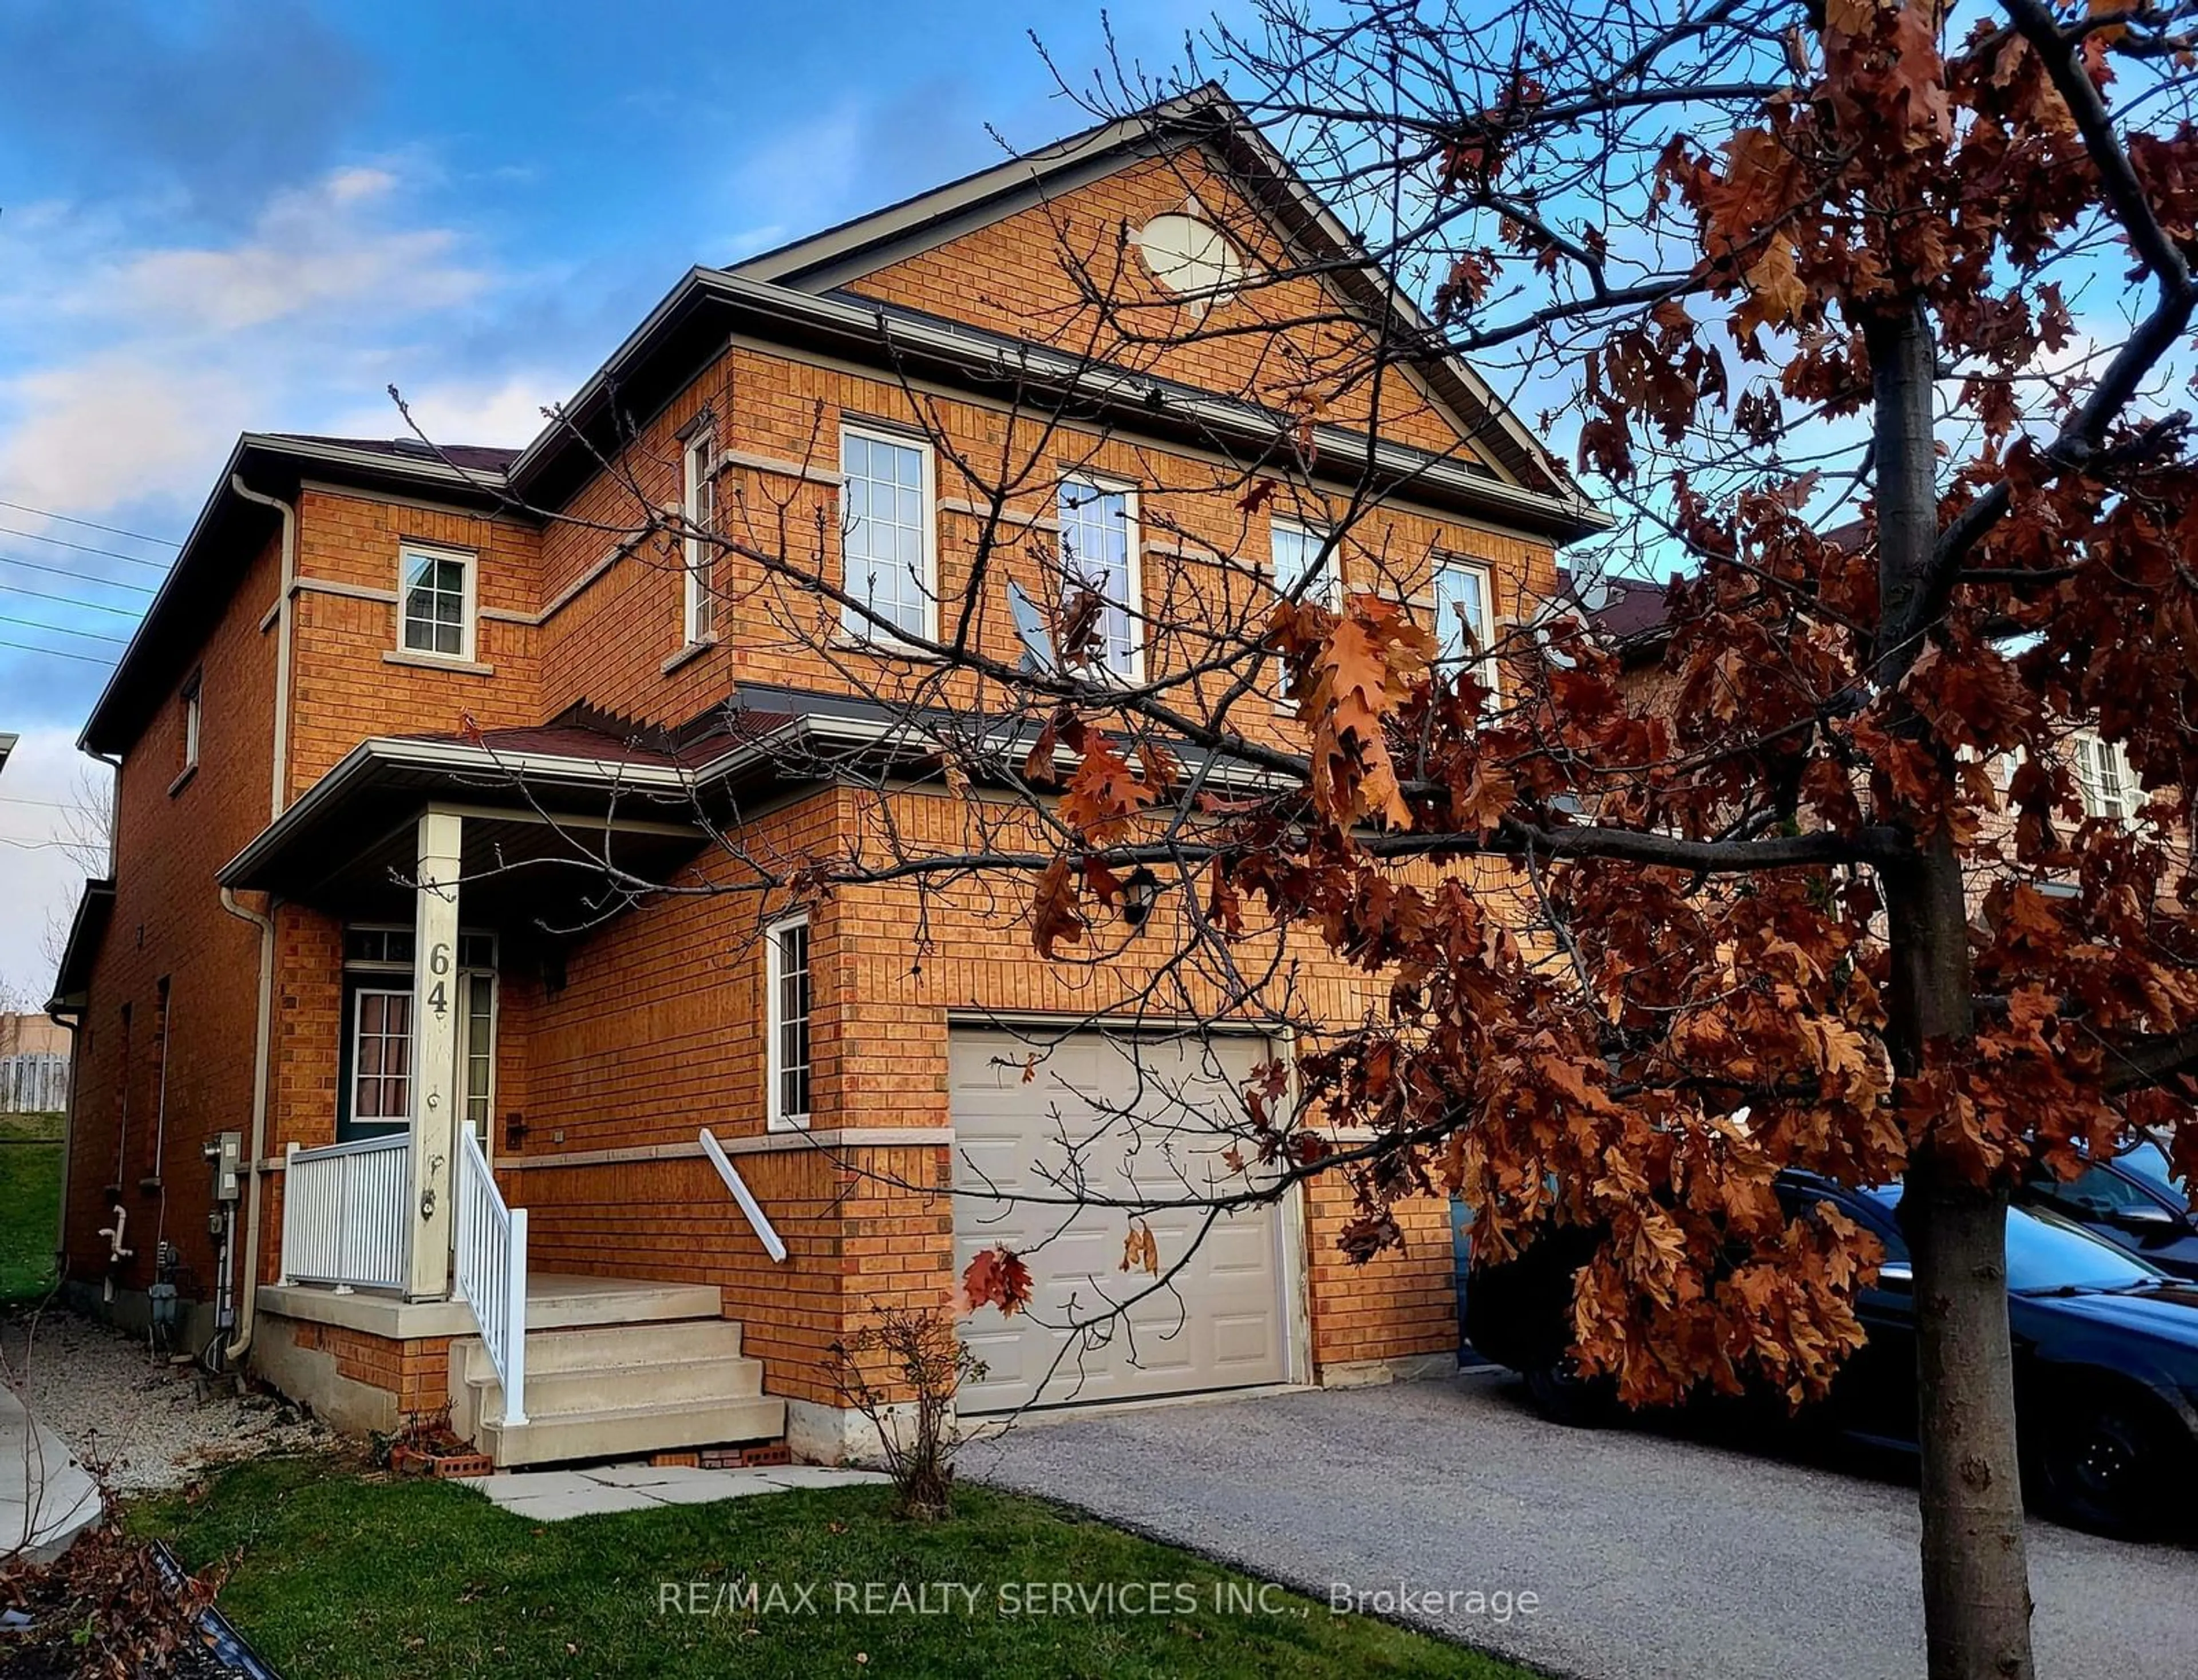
{"points": [[259, 213]]}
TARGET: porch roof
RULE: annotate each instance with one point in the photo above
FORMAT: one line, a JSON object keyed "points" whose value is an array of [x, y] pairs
{"points": [[549, 810]]}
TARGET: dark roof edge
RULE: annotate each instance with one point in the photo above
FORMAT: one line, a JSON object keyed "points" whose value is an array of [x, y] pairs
{"points": [[72, 978], [1206, 114], [801, 259], [280, 463], [896, 340]]}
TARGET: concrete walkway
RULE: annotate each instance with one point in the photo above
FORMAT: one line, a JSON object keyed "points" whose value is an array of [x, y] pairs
{"points": [[553, 1496], [1648, 1555], [46, 1498]]}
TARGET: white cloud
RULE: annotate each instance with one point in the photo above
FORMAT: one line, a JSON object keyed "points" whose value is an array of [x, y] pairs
{"points": [[507, 412], [310, 250], [140, 364], [44, 774], [118, 423]]}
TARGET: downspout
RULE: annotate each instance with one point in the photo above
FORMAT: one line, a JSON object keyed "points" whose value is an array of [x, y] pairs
{"points": [[73, 1024], [278, 794], [247, 1295]]}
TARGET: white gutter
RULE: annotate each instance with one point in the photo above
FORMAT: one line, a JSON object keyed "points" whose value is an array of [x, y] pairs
{"points": [[281, 774], [573, 771], [247, 1290]]}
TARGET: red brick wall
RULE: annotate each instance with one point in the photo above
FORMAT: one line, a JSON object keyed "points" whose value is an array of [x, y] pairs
{"points": [[168, 922], [1032, 275], [415, 1371], [342, 689]]}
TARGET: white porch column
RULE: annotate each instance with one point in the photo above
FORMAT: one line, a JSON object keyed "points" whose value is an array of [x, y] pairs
{"points": [[434, 1054]]}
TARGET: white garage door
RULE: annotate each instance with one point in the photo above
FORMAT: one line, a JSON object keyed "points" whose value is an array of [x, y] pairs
{"points": [[1137, 1118]]}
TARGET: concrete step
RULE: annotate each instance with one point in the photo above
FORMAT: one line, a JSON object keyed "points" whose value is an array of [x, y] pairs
{"points": [[617, 1432], [616, 1387], [559, 1303], [607, 1344]]}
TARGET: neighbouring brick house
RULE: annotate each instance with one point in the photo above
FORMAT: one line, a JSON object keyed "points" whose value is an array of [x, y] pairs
{"points": [[378, 673]]}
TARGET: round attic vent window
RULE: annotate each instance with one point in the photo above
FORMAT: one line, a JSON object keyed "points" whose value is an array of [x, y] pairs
{"points": [[1190, 258]]}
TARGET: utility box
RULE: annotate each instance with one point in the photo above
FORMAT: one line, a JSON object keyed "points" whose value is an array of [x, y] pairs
{"points": [[225, 1151]]}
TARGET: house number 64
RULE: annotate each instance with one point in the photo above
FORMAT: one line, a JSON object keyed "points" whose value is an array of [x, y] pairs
{"points": [[438, 964]]}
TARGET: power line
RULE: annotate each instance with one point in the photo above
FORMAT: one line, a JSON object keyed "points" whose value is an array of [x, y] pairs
{"points": [[57, 652], [91, 524], [70, 600], [51, 804], [80, 576], [63, 630], [84, 548]]}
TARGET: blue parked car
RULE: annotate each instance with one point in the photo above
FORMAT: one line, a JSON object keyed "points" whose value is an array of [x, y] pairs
{"points": [[2106, 1356], [2134, 1201]]}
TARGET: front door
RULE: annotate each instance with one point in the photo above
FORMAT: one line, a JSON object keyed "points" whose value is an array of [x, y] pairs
{"points": [[376, 1086]]}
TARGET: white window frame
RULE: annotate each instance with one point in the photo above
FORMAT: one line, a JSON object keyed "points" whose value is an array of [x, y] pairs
{"points": [[1328, 595], [470, 562], [193, 720], [698, 604], [777, 1119], [409, 1038], [1134, 583], [2090, 755], [852, 626], [1484, 630]]}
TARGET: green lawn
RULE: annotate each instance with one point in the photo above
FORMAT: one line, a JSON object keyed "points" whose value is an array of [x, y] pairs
{"points": [[30, 1204], [338, 1573]]}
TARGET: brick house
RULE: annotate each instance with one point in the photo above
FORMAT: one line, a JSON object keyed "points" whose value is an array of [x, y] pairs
{"points": [[351, 1030]]}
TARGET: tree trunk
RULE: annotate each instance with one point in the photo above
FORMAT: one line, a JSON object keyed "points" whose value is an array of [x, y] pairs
{"points": [[1976, 1577]]}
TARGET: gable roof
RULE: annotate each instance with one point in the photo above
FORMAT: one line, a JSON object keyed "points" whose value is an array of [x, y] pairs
{"points": [[231, 532], [1206, 115], [789, 296], [694, 320]]}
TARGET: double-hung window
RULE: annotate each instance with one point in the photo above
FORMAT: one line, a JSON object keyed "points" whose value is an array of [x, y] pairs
{"points": [[1303, 572], [1099, 555], [192, 716], [786, 982], [699, 502], [886, 544], [2104, 778], [1462, 622], [436, 601]]}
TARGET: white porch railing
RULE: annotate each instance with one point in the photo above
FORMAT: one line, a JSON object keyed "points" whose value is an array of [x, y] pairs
{"points": [[765, 1232], [491, 1271], [343, 1212]]}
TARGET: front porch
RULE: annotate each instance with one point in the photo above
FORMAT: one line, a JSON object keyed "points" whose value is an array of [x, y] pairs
{"points": [[617, 1366], [430, 891]]}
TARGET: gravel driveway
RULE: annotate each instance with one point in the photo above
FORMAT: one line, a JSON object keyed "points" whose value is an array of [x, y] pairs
{"points": [[1648, 1555]]}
